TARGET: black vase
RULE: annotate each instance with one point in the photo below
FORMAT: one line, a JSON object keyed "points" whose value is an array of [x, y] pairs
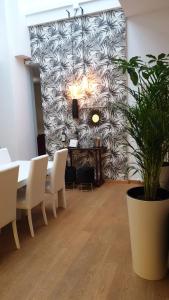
{"points": [[75, 109]]}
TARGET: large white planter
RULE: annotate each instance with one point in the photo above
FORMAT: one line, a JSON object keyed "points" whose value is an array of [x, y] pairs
{"points": [[148, 234], [164, 176]]}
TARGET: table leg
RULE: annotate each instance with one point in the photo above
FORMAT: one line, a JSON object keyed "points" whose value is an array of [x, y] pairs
{"points": [[100, 166], [97, 171], [71, 158]]}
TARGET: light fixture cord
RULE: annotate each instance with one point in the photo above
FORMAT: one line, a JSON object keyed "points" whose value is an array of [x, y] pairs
{"points": [[72, 53], [73, 65], [83, 44]]}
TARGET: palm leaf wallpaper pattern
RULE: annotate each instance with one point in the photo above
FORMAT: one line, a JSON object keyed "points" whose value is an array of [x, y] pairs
{"points": [[104, 37]]}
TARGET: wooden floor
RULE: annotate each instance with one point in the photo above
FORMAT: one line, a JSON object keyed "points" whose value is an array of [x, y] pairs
{"points": [[84, 254]]}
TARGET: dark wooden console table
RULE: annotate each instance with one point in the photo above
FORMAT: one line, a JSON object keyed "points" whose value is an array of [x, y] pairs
{"points": [[98, 161]]}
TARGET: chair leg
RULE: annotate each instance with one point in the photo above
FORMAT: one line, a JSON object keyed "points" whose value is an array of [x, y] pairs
{"points": [[54, 207], [44, 213], [56, 200], [30, 223], [15, 233], [62, 198]]}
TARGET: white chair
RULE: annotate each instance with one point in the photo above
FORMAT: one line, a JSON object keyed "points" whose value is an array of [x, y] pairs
{"points": [[4, 156], [8, 191], [55, 187], [35, 189]]}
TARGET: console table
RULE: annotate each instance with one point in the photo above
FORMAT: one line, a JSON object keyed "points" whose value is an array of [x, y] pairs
{"points": [[98, 160]]}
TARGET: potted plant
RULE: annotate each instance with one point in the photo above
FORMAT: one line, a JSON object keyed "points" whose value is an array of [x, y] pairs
{"points": [[147, 123]]}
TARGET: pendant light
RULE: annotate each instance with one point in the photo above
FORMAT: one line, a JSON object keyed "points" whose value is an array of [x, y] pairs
{"points": [[87, 83], [79, 89], [74, 87], [84, 82]]}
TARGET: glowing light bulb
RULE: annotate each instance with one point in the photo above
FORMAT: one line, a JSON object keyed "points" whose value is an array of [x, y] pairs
{"points": [[74, 91], [85, 83], [79, 89], [95, 118]]}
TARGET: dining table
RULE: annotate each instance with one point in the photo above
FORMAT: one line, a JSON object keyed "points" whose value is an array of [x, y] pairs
{"points": [[24, 166]]}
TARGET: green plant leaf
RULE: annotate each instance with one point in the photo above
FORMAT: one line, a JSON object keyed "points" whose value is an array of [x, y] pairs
{"points": [[145, 75], [151, 56], [147, 120], [133, 76], [161, 56]]}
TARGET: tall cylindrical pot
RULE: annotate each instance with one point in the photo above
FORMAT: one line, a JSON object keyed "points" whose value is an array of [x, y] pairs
{"points": [[164, 176], [148, 223]]}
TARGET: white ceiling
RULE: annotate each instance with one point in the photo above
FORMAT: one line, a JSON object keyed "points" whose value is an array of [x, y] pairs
{"points": [[137, 7], [44, 11], [36, 6], [31, 6]]}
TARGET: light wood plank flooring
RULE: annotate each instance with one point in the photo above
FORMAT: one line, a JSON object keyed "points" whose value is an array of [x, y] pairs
{"points": [[84, 254]]}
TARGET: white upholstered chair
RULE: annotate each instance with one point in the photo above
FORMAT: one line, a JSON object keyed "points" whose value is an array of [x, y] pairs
{"points": [[8, 192], [55, 187], [35, 189], [4, 156]]}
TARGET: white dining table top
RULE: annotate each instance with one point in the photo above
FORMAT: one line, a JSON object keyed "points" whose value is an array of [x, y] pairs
{"points": [[24, 166]]}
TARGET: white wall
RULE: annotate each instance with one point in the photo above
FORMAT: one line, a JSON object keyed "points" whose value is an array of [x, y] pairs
{"points": [[138, 7], [6, 105], [148, 33], [17, 121]]}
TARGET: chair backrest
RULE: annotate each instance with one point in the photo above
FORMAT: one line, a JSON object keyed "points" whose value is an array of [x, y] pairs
{"points": [[58, 170], [35, 188], [8, 191], [4, 156]]}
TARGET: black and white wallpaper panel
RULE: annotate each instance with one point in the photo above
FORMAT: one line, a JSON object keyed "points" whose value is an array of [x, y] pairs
{"points": [[64, 50]]}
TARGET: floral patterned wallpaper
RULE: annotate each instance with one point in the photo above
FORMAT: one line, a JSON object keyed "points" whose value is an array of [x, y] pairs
{"points": [[63, 49]]}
